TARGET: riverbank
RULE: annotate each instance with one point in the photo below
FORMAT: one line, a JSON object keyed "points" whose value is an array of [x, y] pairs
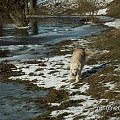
{"points": [[97, 95], [92, 96], [106, 83]]}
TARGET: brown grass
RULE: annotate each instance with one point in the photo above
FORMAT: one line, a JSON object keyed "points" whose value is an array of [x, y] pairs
{"points": [[114, 9]]}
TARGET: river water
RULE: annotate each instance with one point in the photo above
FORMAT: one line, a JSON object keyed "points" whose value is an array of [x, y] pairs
{"points": [[16, 103], [43, 33], [33, 43]]}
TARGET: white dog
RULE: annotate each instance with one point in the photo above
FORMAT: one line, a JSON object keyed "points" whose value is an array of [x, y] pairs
{"points": [[77, 63]]}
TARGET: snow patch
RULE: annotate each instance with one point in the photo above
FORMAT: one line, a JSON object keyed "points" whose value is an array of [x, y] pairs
{"points": [[102, 12], [78, 110], [115, 23], [55, 74], [110, 85], [54, 104]]}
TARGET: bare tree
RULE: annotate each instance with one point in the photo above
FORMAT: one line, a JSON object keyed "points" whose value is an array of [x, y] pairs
{"points": [[33, 5], [14, 9], [26, 7]]}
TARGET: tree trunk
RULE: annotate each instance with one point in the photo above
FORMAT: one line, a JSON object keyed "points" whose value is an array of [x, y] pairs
{"points": [[34, 26], [26, 7], [33, 4]]}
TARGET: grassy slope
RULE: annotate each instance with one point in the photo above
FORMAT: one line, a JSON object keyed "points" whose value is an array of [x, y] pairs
{"points": [[110, 40], [114, 9]]}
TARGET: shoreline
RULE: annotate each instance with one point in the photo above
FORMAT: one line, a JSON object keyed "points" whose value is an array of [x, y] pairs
{"points": [[102, 81]]}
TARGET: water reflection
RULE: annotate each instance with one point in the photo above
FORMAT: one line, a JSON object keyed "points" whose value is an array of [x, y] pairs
{"points": [[42, 34], [41, 25], [47, 30], [34, 27], [44, 24], [17, 103]]}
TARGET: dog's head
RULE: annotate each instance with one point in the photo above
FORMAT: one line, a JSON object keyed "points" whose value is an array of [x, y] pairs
{"points": [[85, 52], [74, 68]]}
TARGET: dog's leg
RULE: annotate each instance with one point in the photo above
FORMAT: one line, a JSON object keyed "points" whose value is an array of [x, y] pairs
{"points": [[77, 79], [72, 78], [78, 76], [70, 74]]}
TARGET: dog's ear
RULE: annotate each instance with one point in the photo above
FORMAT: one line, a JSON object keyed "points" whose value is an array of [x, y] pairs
{"points": [[88, 53]]}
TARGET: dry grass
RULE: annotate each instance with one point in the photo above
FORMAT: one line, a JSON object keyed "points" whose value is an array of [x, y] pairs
{"points": [[114, 9], [109, 40]]}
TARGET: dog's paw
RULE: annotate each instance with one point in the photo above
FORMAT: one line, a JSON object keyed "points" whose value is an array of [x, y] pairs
{"points": [[76, 81]]}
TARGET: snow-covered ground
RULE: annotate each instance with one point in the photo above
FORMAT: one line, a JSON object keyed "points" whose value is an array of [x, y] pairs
{"points": [[53, 72]]}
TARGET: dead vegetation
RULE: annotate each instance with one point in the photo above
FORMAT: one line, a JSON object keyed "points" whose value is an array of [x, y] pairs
{"points": [[110, 41], [56, 50], [6, 67], [114, 9]]}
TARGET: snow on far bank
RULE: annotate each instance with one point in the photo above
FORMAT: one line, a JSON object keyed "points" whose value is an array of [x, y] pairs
{"points": [[102, 11], [99, 1], [104, 1], [99, 12], [115, 23]]}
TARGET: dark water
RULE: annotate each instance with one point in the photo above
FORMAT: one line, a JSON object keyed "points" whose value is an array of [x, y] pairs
{"points": [[42, 34], [16, 103]]}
